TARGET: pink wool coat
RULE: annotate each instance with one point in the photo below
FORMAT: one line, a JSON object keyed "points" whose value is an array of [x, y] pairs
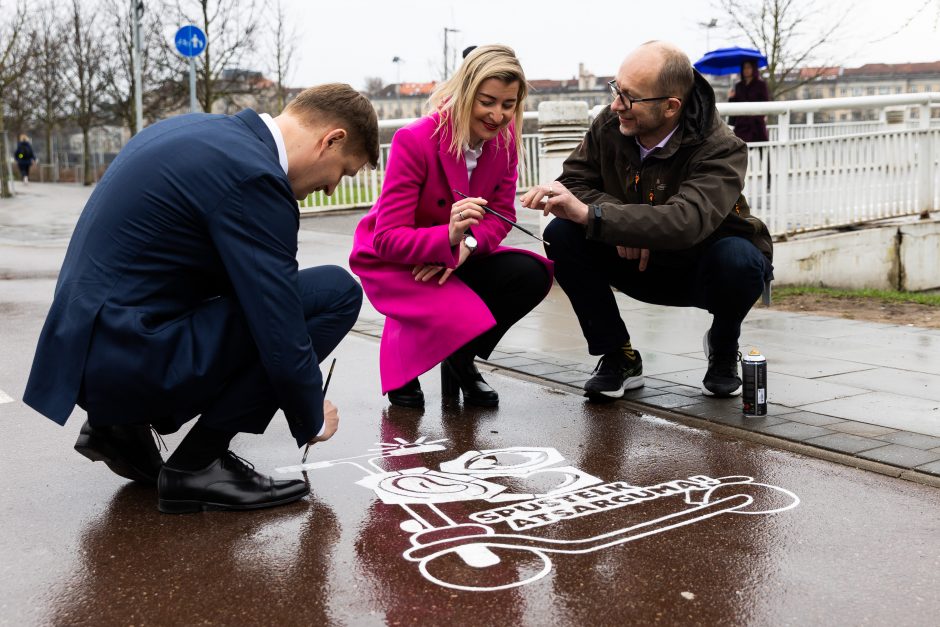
{"points": [[426, 322]]}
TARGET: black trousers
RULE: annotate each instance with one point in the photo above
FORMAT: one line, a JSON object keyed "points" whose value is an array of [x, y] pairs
{"points": [[511, 285], [240, 398], [725, 280]]}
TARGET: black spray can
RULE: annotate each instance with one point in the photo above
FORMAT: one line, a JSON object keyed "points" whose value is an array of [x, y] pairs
{"points": [[754, 371]]}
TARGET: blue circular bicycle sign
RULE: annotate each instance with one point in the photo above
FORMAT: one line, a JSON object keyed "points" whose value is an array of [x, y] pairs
{"points": [[190, 41]]}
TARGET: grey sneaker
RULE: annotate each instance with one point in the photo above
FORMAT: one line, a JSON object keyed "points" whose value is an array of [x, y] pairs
{"points": [[615, 374], [721, 378]]}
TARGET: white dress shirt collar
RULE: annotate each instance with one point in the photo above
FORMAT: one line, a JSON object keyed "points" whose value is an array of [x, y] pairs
{"points": [[278, 139]]}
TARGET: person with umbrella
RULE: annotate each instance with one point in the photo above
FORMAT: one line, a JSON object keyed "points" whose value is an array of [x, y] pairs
{"points": [[751, 88]]}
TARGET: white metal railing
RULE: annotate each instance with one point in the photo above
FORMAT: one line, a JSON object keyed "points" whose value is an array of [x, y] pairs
{"points": [[808, 177], [838, 181]]}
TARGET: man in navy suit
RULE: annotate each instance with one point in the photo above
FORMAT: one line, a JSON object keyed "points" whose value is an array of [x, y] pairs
{"points": [[180, 296]]}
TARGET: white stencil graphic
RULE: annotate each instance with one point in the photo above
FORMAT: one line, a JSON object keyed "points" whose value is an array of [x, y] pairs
{"points": [[436, 539]]}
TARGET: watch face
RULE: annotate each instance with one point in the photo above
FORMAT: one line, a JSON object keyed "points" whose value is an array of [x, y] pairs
{"points": [[471, 242]]}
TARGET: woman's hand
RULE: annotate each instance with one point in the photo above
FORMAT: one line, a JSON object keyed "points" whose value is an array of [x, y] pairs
{"points": [[464, 213], [424, 272]]}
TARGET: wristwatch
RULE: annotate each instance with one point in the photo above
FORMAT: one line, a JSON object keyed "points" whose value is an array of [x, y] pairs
{"points": [[470, 242], [598, 216]]}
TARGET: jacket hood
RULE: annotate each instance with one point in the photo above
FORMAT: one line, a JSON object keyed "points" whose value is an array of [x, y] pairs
{"points": [[698, 118]]}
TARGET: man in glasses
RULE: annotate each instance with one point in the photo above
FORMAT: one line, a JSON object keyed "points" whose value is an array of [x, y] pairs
{"points": [[650, 203]]}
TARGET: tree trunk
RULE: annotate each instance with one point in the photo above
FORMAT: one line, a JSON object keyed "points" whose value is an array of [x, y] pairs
{"points": [[50, 153], [5, 159], [87, 177]]}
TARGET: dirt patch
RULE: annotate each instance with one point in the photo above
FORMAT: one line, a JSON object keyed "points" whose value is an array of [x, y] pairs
{"points": [[859, 308]]}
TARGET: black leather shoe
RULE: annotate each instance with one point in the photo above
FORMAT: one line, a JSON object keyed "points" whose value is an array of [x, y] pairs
{"points": [[408, 395], [228, 483], [128, 450], [459, 373]]}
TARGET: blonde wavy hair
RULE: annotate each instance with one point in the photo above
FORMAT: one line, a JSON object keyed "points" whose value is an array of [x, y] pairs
{"points": [[454, 98]]}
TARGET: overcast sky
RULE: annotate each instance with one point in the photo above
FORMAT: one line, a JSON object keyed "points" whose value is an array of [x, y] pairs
{"points": [[348, 41]]}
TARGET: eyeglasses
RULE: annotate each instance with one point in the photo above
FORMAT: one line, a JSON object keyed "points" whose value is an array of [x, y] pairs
{"points": [[626, 100]]}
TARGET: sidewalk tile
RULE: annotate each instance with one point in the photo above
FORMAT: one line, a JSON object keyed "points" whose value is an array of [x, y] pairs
{"points": [[793, 431], [651, 382], [933, 468], [863, 429], [669, 401], [643, 392], [707, 407], [751, 423], [782, 389], [892, 380], [901, 455], [810, 418], [779, 410], [684, 390], [566, 376], [892, 411], [914, 440], [512, 362], [844, 443], [536, 369]]}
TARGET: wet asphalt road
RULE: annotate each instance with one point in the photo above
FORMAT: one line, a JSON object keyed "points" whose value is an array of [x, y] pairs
{"points": [[82, 546], [641, 533]]}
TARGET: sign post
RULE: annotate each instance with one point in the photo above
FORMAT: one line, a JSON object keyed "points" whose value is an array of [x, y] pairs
{"points": [[190, 42]]}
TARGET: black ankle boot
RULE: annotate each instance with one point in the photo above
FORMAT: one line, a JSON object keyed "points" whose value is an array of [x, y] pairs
{"points": [[408, 395], [458, 372]]}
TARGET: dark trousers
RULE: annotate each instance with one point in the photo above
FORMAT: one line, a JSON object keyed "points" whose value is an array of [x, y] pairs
{"points": [[239, 397], [511, 285], [726, 280]]}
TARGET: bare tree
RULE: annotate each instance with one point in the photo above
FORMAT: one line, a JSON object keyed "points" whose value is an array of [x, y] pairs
{"points": [[156, 68], [374, 86], [229, 27], [15, 39], [790, 33], [85, 77], [284, 43], [47, 77]]}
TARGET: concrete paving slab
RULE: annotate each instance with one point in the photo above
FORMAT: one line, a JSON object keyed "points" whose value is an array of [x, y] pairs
{"points": [[892, 380], [863, 429], [782, 389], [914, 440], [899, 455], [888, 410], [845, 443], [794, 431], [810, 418]]}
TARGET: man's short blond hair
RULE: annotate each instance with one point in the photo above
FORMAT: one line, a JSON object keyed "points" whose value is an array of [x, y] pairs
{"points": [[340, 104]]}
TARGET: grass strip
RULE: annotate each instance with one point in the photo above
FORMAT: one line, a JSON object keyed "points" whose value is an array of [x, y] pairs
{"points": [[887, 296]]}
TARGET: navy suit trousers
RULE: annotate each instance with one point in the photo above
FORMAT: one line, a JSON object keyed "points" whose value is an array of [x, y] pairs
{"points": [[726, 280], [238, 396]]}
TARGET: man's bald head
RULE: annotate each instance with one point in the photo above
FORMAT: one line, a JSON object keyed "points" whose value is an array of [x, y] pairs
{"points": [[668, 66]]}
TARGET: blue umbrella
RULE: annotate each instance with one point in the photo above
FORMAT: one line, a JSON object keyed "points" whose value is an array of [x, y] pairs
{"points": [[728, 60]]}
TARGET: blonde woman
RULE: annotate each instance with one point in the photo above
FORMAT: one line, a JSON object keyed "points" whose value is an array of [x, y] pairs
{"points": [[431, 259]]}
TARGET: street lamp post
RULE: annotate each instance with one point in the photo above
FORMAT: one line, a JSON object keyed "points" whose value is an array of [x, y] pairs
{"points": [[137, 13], [446, 68], [708, 26], [398, 61]]}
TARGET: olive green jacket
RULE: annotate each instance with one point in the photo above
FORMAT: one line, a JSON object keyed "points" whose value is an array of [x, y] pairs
{"points": [[680, 199]]}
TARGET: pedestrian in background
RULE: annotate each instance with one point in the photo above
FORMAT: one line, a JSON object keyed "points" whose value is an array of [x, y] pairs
{"points": [[751, 88], [25, 157]]}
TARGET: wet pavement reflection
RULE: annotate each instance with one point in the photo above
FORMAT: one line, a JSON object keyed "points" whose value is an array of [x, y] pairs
{"points": [[658, 522]]}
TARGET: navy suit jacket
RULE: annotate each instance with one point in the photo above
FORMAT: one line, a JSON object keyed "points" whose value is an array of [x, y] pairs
{"points": [[184, 254]]}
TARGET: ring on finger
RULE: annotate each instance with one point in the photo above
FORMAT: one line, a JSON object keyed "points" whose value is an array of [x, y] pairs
{"points": [[460, 215]]}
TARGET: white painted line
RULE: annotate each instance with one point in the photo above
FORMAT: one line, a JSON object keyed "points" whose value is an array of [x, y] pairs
{"points": [[5, 398]]}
